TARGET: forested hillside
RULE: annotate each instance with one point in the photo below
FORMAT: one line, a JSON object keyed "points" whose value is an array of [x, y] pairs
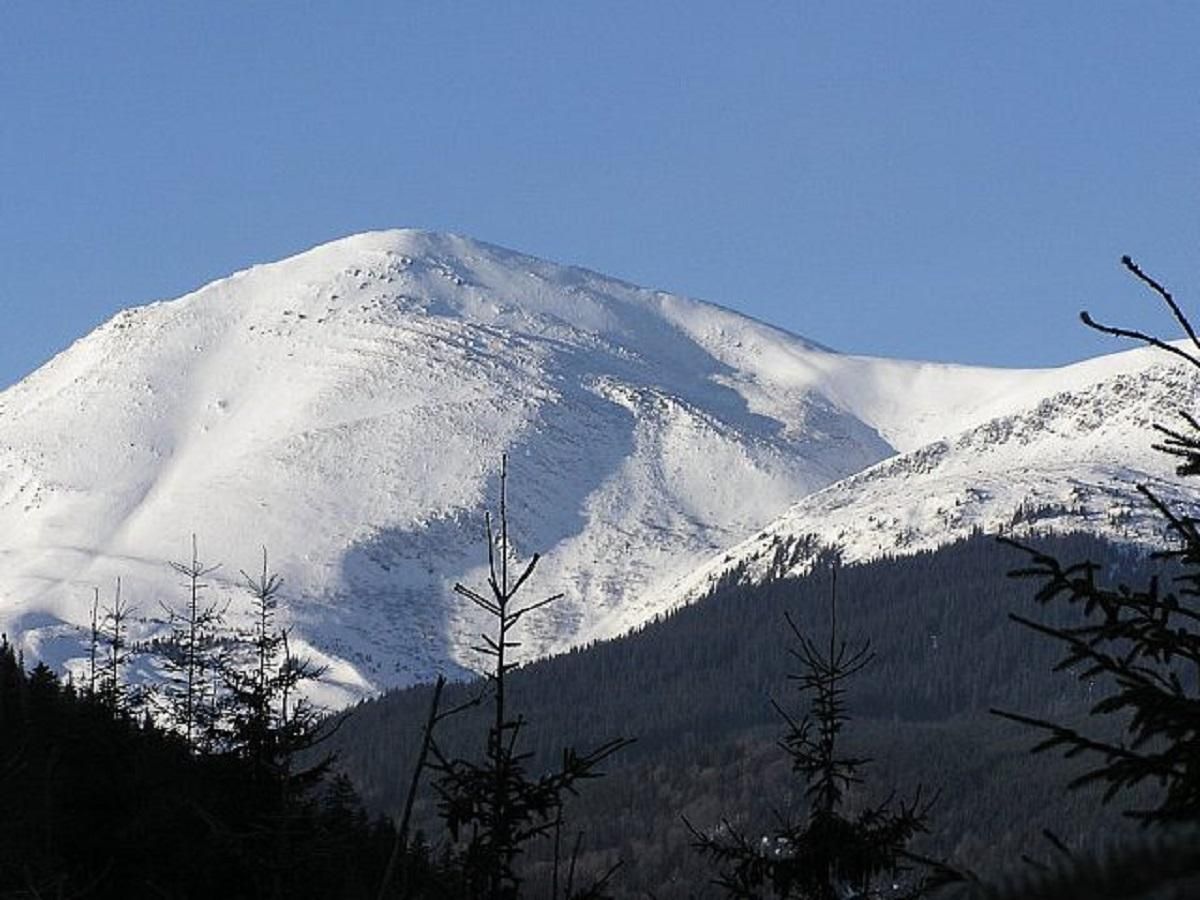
{"points": [[96, 801], [695, 690], [97, 798]]}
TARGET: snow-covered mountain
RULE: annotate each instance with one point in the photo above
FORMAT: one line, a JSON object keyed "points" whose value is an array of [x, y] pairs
{"points": [[1069, 455], [347, 409]]}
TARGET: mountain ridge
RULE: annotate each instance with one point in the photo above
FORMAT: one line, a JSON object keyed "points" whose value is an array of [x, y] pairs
{"points": [[1075, 462], [347, 408]]}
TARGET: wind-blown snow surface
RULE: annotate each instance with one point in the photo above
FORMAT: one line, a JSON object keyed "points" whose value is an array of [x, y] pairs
{"points": [[1070, 456], [347, 408]]}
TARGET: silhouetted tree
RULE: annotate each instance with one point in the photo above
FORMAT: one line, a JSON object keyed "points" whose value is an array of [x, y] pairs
{"points": [[189, 654], [494, 808], [114, 632], [94, 803], [267, 724], [832, 854], [1141, 647], [94, 644], [265, 718]]}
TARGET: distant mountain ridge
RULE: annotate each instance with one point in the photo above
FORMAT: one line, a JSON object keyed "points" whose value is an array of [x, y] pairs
{"points": [[1071, 462], [347, 409]]}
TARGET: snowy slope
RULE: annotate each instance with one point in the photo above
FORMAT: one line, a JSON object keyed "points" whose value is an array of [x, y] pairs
{"points": [[347, 408], [1071, 459]]}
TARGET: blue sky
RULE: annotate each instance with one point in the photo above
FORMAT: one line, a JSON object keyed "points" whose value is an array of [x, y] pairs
{"points": [[946, 181]]}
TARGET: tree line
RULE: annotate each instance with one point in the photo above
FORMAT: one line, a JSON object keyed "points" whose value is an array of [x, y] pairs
{"points": [[214, 779], [696, 689]]}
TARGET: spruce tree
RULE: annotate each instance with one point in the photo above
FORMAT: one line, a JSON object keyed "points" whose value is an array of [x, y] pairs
{"points": [[1141, 647], [495, 807], [189, 654], [114, 632], [266, 724], [832, 853], [266, 718]]}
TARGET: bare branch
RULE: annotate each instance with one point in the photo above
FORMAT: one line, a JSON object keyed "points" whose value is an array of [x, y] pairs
{"points": [[1165, 295], [517, 615], [1087, 320], [477, 599]]}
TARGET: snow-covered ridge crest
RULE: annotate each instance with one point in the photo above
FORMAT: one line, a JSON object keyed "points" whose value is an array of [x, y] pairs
{"points": [[347, 408], [1072, 461]]}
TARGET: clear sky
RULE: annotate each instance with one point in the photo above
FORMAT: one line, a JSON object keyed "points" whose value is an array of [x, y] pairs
{"points": [[947, 181]]}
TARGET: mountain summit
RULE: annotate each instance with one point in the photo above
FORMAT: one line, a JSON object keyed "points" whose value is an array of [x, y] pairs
{"points": [[347, 409]]}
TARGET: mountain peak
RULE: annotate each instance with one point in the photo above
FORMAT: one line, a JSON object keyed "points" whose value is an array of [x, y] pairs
{"points": [[347, 408]]}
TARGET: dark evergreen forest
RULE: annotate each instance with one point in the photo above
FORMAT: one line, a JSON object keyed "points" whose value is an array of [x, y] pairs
{"points": [[98, 803], [695, 690], [97, 799]]}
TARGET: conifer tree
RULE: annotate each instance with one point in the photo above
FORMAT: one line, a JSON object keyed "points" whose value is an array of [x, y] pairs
{"points": [[264, 717], [832, 854], [96, 804], [496, 807], [94, 644], [1142, 644], [1141, 647], [265, 725], [114, 631], [189, 654]]}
